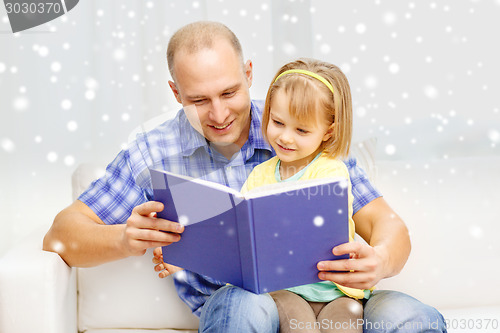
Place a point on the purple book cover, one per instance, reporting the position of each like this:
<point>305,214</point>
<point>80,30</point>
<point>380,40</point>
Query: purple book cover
<point>260,243</point>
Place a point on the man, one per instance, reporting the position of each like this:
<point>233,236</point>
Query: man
<point>217,137</point>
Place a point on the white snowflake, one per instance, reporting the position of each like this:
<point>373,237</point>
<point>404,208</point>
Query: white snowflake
<point>431,92</point>
<point>360,28</point>
<point>184,219</point>
<point>494,136</point>
<point>476,231</point>
<point>318,221</point>
<point>371,82</point>
<point>289,49</point>
<point>72,126</point>
<point>389,18</point>
<point>393,68</point>
<point>8,145</point>
<point>361,111</point>
<point>325,48</point>
<point>390,149</point>
<point>119,54</point>
<point>20,103</point>
<point>66,104</point>
<point>90,95</point>
<point>52,157</point>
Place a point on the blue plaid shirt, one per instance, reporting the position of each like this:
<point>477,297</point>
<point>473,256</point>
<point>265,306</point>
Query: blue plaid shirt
<point>177,147</point>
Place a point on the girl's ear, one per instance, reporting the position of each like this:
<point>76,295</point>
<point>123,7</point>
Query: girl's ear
<point>329,132</point>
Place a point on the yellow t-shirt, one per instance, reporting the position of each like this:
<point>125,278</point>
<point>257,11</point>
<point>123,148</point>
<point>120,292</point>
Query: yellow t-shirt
<point>321,167</point>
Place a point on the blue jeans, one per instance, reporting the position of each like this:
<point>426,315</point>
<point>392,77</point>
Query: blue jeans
<point>392,311</point>
<point>232,309</point>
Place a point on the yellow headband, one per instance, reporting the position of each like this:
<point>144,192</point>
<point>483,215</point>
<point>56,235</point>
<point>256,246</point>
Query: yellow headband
<point>312,74</point>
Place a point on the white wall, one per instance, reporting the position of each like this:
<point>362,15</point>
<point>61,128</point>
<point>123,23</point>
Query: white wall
<point>424,77</point>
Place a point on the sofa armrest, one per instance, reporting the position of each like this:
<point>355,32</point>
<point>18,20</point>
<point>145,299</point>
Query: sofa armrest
<point>37,290</point>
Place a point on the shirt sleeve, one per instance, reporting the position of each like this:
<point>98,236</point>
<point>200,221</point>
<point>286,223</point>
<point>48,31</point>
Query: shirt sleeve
<point>362,190</point>
<point>113,196</point>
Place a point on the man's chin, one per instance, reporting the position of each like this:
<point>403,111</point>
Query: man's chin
<point>221,143</point>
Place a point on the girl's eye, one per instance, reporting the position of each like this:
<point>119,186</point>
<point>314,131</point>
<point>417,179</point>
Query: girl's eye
<point>278,123</point>
<point>302,131</point>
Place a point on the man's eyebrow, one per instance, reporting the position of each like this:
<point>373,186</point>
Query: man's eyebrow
<point>233,87</point>
<point>195,97</point>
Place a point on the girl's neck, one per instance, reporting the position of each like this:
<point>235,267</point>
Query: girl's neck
<point>289,169</point>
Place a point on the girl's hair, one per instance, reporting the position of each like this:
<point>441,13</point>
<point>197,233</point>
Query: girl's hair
<point>311,100</point>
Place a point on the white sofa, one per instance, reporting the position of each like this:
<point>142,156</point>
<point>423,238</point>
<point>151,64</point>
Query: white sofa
<point>451,207</point>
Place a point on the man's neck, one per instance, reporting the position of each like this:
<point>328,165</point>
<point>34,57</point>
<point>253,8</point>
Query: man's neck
<point>226,150</point>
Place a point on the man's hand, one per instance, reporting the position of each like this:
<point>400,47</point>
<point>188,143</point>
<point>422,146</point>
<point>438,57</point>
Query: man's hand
<point>363,270</point>
<point>162,267</point>
<point>144,230</point>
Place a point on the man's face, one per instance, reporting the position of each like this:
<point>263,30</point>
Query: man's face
<point>214,91</point>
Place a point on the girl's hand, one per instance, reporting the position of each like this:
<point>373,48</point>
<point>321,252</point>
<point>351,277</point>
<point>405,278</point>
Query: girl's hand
<point>162,267</point>
<point>363,270</point>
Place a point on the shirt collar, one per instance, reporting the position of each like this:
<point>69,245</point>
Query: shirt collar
<point>255,136</point>
<point>191,140</point>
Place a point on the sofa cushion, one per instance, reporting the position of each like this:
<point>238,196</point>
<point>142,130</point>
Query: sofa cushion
<point>452,210</point>
<point>128,293</point>
<point>139,331</point>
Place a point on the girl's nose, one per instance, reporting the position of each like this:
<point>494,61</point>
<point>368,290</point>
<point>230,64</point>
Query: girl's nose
<point>286,137</point>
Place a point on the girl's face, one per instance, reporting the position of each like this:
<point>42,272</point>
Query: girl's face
<point>296,143</point>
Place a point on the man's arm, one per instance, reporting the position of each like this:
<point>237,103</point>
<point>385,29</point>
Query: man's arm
<point>383,229</point>
<point>82,239</point>
<point>385,256</point>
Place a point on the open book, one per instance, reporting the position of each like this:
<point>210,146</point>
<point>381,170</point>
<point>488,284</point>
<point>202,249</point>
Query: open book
<point>268,239</point>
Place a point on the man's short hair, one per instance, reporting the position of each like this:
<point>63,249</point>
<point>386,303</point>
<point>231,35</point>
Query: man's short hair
<point>197,36</point>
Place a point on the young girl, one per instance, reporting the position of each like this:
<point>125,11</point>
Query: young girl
<point>307,119</point>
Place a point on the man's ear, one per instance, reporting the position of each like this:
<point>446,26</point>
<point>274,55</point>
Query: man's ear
<point>175,91</point>
<point>329,132</point>
<point>249,72</point>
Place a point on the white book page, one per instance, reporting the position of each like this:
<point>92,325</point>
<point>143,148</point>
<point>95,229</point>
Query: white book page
<point>207,183</point>
<point>282,187</point>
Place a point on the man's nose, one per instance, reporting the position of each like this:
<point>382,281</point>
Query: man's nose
<point>218,113</point>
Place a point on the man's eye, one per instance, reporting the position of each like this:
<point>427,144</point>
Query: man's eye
<point>229,94</point>
<point>198,101</point>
